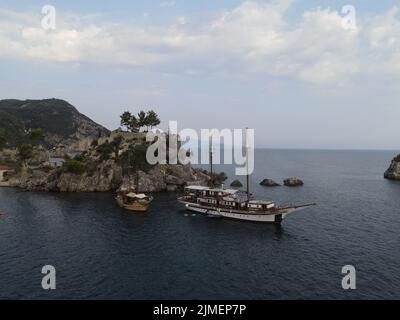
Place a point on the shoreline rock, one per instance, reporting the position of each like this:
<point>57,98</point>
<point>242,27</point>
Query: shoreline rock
<point>108,176</point>
<point>393,172</point>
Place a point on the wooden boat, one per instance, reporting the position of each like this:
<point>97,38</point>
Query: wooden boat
<point>137,202</point>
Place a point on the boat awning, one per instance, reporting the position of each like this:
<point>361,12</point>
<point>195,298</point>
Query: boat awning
<point>136,196</point>
<point>197,188</point>
<point>141,196</point>
<point>131,195</point>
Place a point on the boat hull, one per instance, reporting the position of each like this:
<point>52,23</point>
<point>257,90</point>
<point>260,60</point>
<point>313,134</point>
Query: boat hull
<point>135,207</point>
<point>275,218</point>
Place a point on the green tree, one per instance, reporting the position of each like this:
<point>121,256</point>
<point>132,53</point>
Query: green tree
<point>104,151</point>
<point>25,152</point>
<point>129,121</point>
<point>74,166</point>
<point>116,146</point>
<point>81,156</point>
<point>36,136</point>
<point>142,119</point>
<point>152,119</point>
<point>126,119</point>
<point>135,158</point>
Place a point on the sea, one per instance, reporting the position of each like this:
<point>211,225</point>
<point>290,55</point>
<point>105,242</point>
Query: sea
<point>100,251</point>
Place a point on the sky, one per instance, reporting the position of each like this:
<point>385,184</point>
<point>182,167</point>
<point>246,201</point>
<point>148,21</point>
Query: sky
<point>303,74</point>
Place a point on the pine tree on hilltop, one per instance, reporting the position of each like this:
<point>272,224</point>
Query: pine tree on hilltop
<point>152,119</point>
<point>130,122</point>
<point>143,119</point>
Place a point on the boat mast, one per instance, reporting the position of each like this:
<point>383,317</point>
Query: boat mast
<point>211,160</point>
<point>247,168</point>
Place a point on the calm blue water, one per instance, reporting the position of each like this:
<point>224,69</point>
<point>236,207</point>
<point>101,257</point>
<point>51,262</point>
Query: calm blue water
<point>102,251</point>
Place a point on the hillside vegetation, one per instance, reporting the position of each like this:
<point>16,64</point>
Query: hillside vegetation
<point>60,121</point>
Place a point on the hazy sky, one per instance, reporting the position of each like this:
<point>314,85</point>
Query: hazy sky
<point>288,69</point>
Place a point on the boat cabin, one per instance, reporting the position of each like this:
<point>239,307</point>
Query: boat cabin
<point>133,197</point>
<point>225,198</point>
<point>208,192</point>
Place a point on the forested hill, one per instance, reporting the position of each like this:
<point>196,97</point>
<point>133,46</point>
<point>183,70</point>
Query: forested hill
<point>60,121</point>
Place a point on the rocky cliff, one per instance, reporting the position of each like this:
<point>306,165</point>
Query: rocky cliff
<point>393,172</point>
<point>108,177</point>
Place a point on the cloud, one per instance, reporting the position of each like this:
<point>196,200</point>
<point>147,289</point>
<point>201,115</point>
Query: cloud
<point>252,39</point>
<point>167,4</point>
<point>384,42</point>
<point>181,20</point>
<point>152,92</point>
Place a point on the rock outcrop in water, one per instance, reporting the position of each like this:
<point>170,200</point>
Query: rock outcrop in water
<point>269,183</point>
<point>236,184</point>
<point>293,182</point>
<point>393,172</point>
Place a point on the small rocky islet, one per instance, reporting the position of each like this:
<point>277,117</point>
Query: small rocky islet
<point>289,182</point>
<point>393,172</point>
<point>269,183</point>
<point>293,182</point>
<point>236,184</point>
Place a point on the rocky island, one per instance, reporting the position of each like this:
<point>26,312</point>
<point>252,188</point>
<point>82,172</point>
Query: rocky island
<point>393,172</point>
<point>47,145</point>
<point>236,184</point>
<point>269,183</point>
<point>293,182</point>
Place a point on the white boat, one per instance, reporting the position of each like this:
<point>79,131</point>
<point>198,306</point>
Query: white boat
<point>233,204</point>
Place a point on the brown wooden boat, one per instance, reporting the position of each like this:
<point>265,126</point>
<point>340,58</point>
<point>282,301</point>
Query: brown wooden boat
<point>136,202</point>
